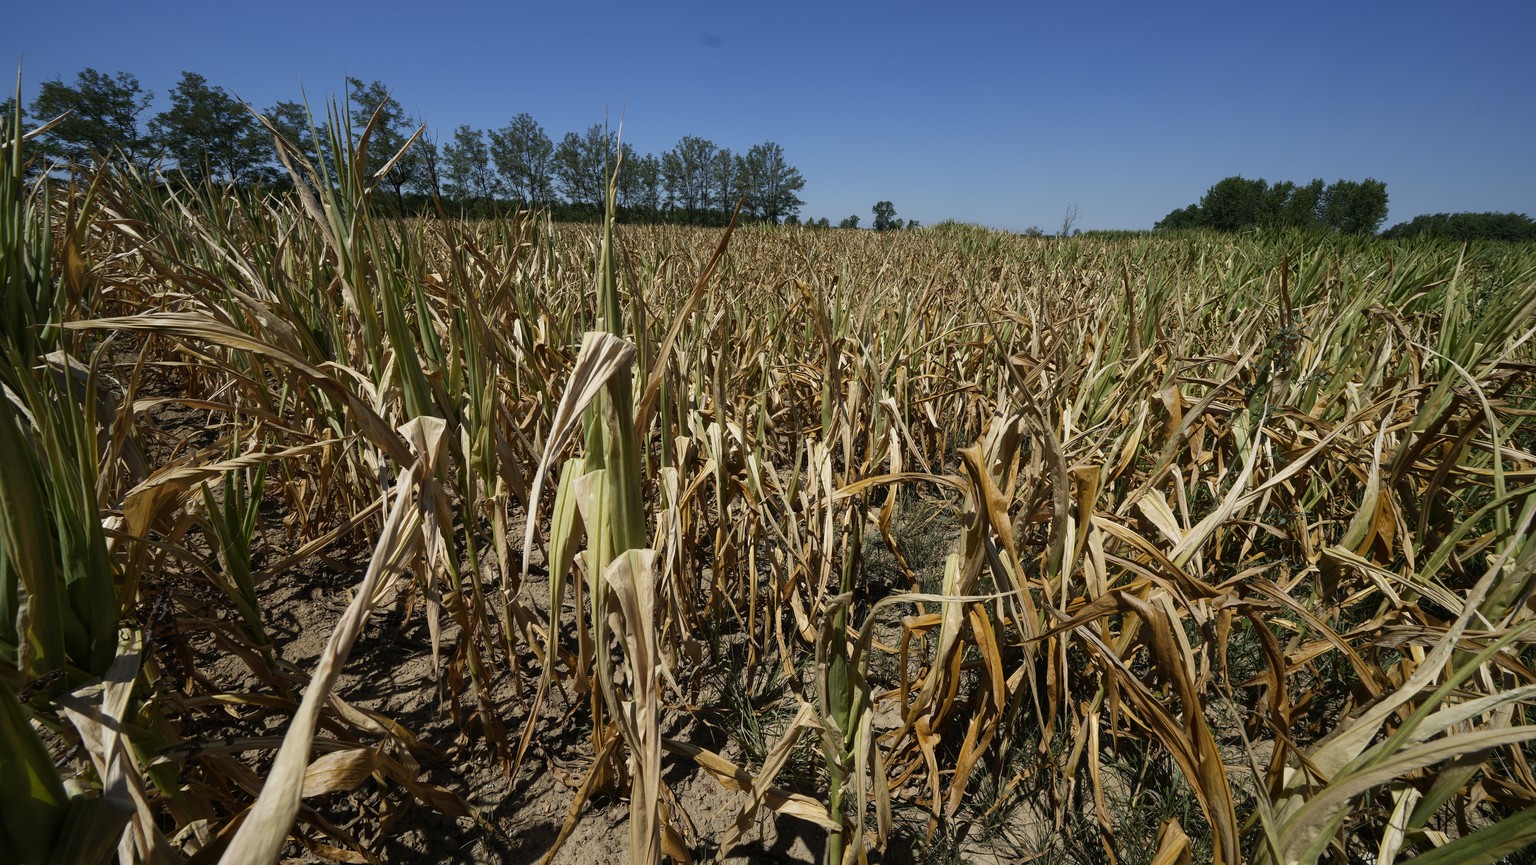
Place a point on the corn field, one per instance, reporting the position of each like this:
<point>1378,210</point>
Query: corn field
<point>938,545</point>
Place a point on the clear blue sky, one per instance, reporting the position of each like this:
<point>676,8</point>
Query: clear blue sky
<point>1003,114</point>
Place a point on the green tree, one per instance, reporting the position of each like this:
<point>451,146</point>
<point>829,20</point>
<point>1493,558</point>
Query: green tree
<point>1467,226</point>
<point>1186,217</point>
<point>581,165</point>
<point>427,169</point>
<point>1351,207</point>
<point>293,122</point>
<point>1272,202</point>
<point>630,187</point>
<point>885,216</point>
<point>728,181</point>
<point>849,222</point>
<point>103,116</point>
<point>390,134</point>
<point>771,183</point>
<point>1234,203</point>
<point>1300,208</point>
<point>467,167</point>
<point>524,157</point>
<point>687,172</point>
<point>210,134</point>
<point>648,185</point>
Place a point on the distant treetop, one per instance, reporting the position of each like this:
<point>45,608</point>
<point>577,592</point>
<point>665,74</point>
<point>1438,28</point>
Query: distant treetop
<point>208,134</point>
<point>1236,203</point>
<point>1467,226</point>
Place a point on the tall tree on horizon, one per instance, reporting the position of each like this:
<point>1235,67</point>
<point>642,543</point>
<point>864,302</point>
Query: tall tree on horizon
<point>648,185</point>
<point>467,166</point>
<point>393,129</point>
<point>1236,203</point>
<point>293,122</point>
<point>1354,207</point>
<point>728,181</point>
<point>582,163</point>
<point>524,157</point>
<point>1299,209</point>
<point>210,134</point>
<point>686,172</point>
<point>771,183</point>
<point>630,165</point>
<point>103,116</point>
<point>426,174</point>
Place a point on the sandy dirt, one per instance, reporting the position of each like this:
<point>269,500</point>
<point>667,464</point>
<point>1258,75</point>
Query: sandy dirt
<point>391,672</point>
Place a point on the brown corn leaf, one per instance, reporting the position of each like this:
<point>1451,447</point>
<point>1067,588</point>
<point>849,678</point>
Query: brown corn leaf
<point>602,355</point>
<point>98,712</point>
<point>733,777</point>
<point>1303,837</point>
<point>1173,846</point>
<point>187,325</point>
<point>146,501</point>
<point>260,838</point>
<point>339,771</point>
<point>760,787</point>
<point>632,578</point>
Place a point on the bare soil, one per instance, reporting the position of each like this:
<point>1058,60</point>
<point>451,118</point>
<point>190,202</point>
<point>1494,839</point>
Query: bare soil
<point>391,671</point>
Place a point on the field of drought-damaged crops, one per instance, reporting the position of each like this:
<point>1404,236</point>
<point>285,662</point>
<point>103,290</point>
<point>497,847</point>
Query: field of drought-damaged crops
<point>335,535</point>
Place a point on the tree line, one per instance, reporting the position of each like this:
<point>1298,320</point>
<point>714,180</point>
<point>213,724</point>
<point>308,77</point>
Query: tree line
<point>1467,226</point>
<point>885,219</point>
<point>1236,203</point>
<point>207,134</point>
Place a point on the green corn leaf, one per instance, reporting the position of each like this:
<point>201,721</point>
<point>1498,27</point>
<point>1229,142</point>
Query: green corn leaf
<point>33,804</point>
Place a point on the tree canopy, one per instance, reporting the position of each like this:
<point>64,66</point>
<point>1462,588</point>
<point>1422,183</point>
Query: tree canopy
<point>771,183</point>
<point>687,171</point>
<point>1237,203</point>
<point>581,165</point>
<point>646,180</point>
<point>390,132</point>
<point>1354,208</point>
<point>103,116</point>
<point>467,166</point>
<point>1467,226</point>
<point>524,157</point>
<point>294,123</point>
<point>210,134</point>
